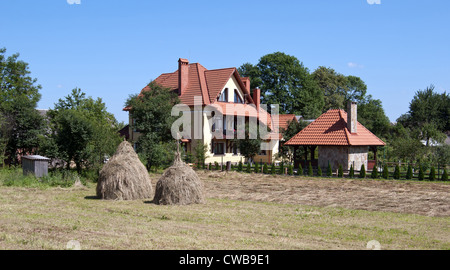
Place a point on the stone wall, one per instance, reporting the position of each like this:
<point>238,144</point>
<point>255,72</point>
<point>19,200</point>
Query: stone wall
<point>335,155</point>
<point>357,156</point>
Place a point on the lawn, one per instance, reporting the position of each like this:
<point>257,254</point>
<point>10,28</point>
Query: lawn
<point>242,211</point>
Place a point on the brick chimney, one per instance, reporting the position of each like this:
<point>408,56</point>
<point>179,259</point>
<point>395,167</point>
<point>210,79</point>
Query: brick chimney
<point>257,97</point>
<point>352,116</point>
<point>183,75</point>
<point>246,82</point>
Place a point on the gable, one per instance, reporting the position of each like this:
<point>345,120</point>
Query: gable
<point>231,86</point>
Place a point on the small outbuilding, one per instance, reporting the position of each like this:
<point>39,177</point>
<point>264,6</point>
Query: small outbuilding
<point>35,164</point>
<point>340,139</point>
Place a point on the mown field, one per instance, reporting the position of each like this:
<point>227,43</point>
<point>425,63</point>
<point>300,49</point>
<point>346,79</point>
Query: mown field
<point>242,211</point>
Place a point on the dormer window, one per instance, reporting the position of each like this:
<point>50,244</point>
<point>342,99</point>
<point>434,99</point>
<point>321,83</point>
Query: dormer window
<point>237,97</point>
<point>224,96</point>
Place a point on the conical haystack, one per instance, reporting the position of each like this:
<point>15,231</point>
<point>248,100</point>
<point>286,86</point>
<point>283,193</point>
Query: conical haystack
<point>124,177</point>
<point>179,185</point>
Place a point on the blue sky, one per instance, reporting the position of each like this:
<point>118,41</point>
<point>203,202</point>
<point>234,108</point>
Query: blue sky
<point>111,49</point>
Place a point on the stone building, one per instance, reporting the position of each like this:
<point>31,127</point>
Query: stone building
<point>340,139</point>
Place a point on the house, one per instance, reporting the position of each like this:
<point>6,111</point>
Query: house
<point>340,138</point>
<point>217,99</point>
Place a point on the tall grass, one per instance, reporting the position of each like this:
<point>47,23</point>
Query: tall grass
<point>57,178</point>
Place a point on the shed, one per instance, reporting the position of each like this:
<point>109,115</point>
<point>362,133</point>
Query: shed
<point>35,164</point>
<point>341,140</point>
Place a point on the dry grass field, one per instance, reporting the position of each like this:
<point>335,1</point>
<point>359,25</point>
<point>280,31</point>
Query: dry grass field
<point>242,211</point>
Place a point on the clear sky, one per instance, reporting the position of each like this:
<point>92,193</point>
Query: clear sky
<point>113,48</point>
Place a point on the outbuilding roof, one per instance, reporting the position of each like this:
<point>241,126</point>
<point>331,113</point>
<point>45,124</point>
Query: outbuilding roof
<point>331,129</point>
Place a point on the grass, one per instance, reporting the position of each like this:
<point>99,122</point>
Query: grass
<point>47,218</point>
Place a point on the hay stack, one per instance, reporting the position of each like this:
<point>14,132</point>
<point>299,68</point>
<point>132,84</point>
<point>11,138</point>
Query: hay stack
<point>124,177</point>
<point>179,185</point>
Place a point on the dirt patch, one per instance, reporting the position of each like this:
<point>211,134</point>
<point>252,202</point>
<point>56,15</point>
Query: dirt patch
<point>423,198</point>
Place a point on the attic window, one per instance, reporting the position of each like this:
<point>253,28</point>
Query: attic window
<point>224,96</point>
<point>237,97</point>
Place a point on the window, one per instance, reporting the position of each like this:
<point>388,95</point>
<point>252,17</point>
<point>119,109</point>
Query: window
<point>218,148</point>
<point>224,96</point>
<point>237,97</point>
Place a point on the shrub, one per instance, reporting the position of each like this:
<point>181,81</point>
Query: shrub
<point>351,174</point>
<point>397,172</point>
<point>362,172</point>
<point>421,173</point>
<point>409,173</point>
<point>290,169</point>
<point>329,170</point>
<point>240,166</point>
<point>273,169</point>
<point>374,174</point>
<point>385,171</point>
<point>210,166</point>
<point>432,175</point>
<point>256,167</point>
<point>281,168</point>
<point>265,168</point>
<point>340,171</point>
<point>216,165</point>
<point>319,171</point>
<point>249,167</point>
<point>300,170</point>
<point>444,176</point>
<point>310,170</point>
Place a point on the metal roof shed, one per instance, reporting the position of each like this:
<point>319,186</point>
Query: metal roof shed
<point>36,165</point>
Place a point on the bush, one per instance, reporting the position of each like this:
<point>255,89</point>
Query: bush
<point>409,173</point>
<point>249,168</point>
<point>432,175</point>
<point>300,170</point>
<point>329,170</point>
<point>374,174</point>
<point>444,176</point>
<point>397,172</point>
<point>421,173</point>
<point>310,170</point>
<point>216,166</point>
<point>290,169</point>
<point>256,167</point>
<point>340,171</point>
<point>281,168</point>
<point>362,172</point>
<point>351,174</point>
<point>273,169</point>
<point>385,171</point>
<point>240,166</point>
<point>265,168</point>
<point>319,171</point>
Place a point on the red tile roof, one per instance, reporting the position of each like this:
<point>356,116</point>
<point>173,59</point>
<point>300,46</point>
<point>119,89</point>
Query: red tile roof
<point>331,129</point>
<point>283,122</point>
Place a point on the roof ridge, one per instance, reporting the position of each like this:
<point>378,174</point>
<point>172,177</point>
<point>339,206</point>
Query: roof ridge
<point>346,127</point>
<point>203,85</point>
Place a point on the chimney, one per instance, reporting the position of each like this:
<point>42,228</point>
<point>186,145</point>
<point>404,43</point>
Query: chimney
<point>246,82</point>
<point>352,116</point>
<point>183,75</point>
<point>257,97</point>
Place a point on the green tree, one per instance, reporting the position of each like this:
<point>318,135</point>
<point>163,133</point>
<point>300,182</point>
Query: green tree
<point>372,116</point>
<point>319,171</point>
<point>374,174</point>
<point>248,146</point>
<point>351,174</point>
<point>409,173</point>
<point>257,167</point>
<point>385,171</point>
<point>421,173</point>
<point>265,168</point>
<point>290,170</point>
<point>240,166</point>
<point>200,154</point>
<point>397,172</point>
<point>151,111</point>
<point>444,176</point>
<point>249,167</point>
<point>333,86</point>
<point>362,172</point>
<point>310,170</point>
<point>281,168</point>
<point>216,165</point>
<point>432,175</point>
<point>273,169</point>
<point>300,170</point>
<point>82,130</point>
<point>285,81</point>
<point>340,171</point>
<point>329,170</point>
<point>19,94</point>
